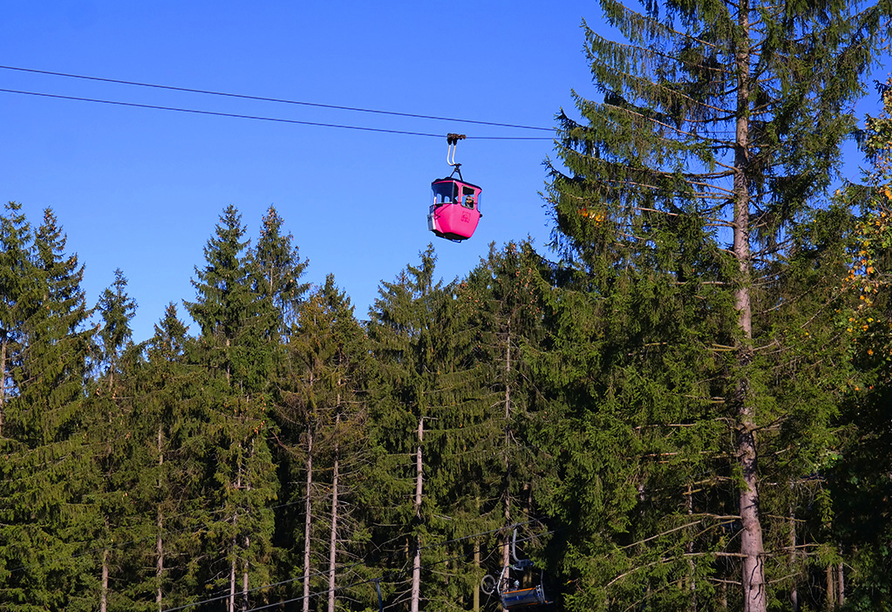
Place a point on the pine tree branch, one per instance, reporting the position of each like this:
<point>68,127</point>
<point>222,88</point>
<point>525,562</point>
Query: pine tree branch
<point>659,535</point>
<point>636,20</point>
<point>645,85</point>
<point>736,583</point>
<point>651,52</point>
<point>654,121</point>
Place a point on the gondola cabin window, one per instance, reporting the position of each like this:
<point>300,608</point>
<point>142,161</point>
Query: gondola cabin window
<point>444,192</point>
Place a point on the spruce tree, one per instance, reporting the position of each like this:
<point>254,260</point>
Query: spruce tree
<point>403,336</point>
<point>46,519</point>
<point>720,123</point>
<point>106,422</point>
<point>234,348</point>
<point>501,466</point>
<point>423,399</point>
<point>117,309</point>
<point>322,423</point>
<point>166,471</point>
<point>234,321</point>
<point>277,270</point>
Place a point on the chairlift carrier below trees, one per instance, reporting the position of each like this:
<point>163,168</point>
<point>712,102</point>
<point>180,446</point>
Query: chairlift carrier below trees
<point>511,595</point>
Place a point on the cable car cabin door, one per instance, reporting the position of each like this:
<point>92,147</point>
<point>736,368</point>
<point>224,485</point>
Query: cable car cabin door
<point>455,210</point>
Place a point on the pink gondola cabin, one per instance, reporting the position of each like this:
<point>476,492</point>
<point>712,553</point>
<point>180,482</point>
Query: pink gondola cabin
<point>455,210</point>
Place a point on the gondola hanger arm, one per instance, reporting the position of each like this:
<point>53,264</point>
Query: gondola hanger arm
<point>452,141</point>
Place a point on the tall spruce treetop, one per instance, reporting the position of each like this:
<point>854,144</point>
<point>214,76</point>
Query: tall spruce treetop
<point>277,269</point>
<point>712,106</point>
<point>54,364</point>
<point>720,122</point>
<point>45,522</point>
<point>15,276</point>
<point>222,281</point>
<point>235,322</point>
<point>117,309</point>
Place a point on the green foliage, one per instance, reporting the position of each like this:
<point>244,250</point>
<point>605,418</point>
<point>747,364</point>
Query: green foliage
<point>236,322</point>
<point>46,517</point>
<point>697,361</point>
<point>235,350</point>
<point>432,402</point>
<point>276,270</point>
<point>499,305</point>
<point>322,420</point>
<point>116,309</point>
<point>860,482</point>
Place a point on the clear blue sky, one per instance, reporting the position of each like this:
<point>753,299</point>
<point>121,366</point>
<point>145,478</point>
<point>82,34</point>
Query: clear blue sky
<point>141,189</point>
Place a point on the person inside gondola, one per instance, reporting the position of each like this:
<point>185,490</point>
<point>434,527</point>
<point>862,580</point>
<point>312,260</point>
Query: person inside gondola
<point>468,197</point>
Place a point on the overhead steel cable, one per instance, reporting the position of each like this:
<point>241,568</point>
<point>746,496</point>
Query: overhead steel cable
<point>277,100</point>
<point>213,113</point>
<point>256,117</point>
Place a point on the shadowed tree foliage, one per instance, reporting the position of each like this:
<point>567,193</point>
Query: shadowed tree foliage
<point>860,484</point>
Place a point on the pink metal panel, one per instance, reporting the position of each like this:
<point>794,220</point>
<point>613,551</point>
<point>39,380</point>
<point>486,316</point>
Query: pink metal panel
<point>454,221</point>
<point>454,213</point>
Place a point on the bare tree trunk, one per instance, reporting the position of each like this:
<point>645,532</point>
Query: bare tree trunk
<point>477,567</point>
<point>416,561</point>
<point>159,542</point>
<point>333,539</point>
<point>753,574</point>
<point>794,590</point>
<point>234,566</point>
<point>245,581</point>
<point>2,382</point>
<point>689,548</point>
<point>159,563</point>
<point>308,521</point>
<point>245,577</point>
<point>506,547</point>
<point>103,601</point>
<point>829,589</point>
<point>231,602</point>
<point>841,584</point>
<point>834,587</point>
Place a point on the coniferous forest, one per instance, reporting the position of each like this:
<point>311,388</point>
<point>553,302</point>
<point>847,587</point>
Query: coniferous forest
<point>686,405</point>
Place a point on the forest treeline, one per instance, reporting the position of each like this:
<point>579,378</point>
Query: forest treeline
<point>686,407</point>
